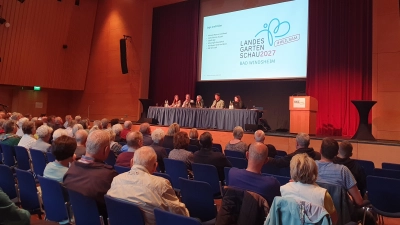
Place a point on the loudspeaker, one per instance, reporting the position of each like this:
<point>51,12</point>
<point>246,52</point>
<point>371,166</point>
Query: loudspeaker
<point>251,127</point>
<point>124,63</point>
<point>148,120</point>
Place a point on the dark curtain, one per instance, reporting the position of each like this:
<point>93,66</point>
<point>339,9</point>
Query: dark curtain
<point>339,62</point>
<point>174,51</point>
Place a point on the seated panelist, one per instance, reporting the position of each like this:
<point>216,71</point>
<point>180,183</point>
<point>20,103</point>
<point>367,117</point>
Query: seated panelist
<point>199,102</point>
<point>218,102</point>
<point>237,103</point>
<point>187,102</point>
<point>176,102</point>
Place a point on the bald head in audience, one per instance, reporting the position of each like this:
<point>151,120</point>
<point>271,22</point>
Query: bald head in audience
<point>259,136</point>
<point>146,157</point>
<point>128,124</point>
<point>81,137</point>
<point>134,140</point>
<point>98,145</point>
<point>145,128</point>
<point>257,156</point>
<point>104,123</point>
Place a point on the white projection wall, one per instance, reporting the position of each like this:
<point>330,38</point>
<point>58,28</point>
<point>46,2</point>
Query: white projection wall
<point>268,42</point>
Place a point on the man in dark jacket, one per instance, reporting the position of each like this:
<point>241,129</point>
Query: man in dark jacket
<point>302,143</point>
<point>343,158</point>
<point>207,156</point>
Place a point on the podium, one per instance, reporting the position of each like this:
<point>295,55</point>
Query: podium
<point>303,114</point>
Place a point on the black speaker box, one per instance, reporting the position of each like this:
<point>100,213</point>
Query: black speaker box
<point>124,63</point>
<point>148,120</point>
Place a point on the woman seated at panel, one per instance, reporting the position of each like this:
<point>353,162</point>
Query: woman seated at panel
<point>237,103</point>
<point>176,102</point>
<point>180,152</point>
<point>236,144</point>
<point>304,173</point>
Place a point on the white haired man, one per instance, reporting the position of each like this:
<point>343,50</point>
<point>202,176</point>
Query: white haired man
<point>104,123</point>
<point>89,175</point>
<point>58,133</point>
<point>150,192</point>
<point>302,143</point>
<point>117,128</point>
<point>158,137</point>
<point>80,137</point>
<point>146,131</point>
<point>126,130</point>
<point>134,140</point>
<point>21,121</point>
<point>44,134</point>
<point>259,136</point>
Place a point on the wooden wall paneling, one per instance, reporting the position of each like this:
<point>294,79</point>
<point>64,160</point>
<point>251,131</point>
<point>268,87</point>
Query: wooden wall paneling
<point>31,49</point>
<point>28,101</point>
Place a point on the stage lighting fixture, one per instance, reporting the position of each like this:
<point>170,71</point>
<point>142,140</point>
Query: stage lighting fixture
<point>22,1</point>
<point>2,20</point>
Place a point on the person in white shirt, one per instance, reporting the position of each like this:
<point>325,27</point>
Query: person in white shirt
<point>304,173</point>
<point>21,121</point>
<point>44,134</point>
<point>27,139</point>
<point>145,190</point>
<point>58,133</point>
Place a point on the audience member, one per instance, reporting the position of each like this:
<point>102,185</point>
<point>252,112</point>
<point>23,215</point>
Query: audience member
<point>114,146</point>
<point>42,143</point>
<point>144,190</point>
<point>3,115</point>
<point>10,138</point>
<point>340,175</point>
<point>259,136</point>
<point>304,173</point>
<point>16,116</point>
<point>104,123</point>
<point>343,158</point>
<point>236,144</point>
<point>58,133</point>
<point>206,155</point>
<point>78,119</point>
<point>146,131</point>
<point>21,121</point>
<point>68,118</point>
<point>27,139</point>
<point>95,127</point>
<point>85,124</point>
<point>302,143</point>
<point>194,137</point>
<point>169,137</point>
<point>2,132</point>
<point>10,214</point>
<point>58,123</point>
<point>89,175</point>
<point>251,179</point>
<point>98,124</point>
<point>134,140</point>
<point>80,137</point>
<point>180,152</point>
<point>68,129</point>
<point>158,137</point>
<point>114,121</point>
<point>75,128</point>
<point>117,128</point>
<point>126,130</point>
<point>63,149</point>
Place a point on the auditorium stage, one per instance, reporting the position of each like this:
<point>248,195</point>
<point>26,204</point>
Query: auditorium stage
<point>376,151</point>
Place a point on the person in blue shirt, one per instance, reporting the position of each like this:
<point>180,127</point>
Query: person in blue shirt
<point>251,179</point>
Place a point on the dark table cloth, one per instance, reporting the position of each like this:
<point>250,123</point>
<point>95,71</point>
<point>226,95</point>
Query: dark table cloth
<point>222,119</point>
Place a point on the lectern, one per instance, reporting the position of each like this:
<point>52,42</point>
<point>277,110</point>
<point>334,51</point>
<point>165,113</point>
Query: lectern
<point>303,114</point>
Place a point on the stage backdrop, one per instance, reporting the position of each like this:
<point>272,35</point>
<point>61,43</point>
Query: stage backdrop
<point>173,66</point>
<point>339,61</point>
